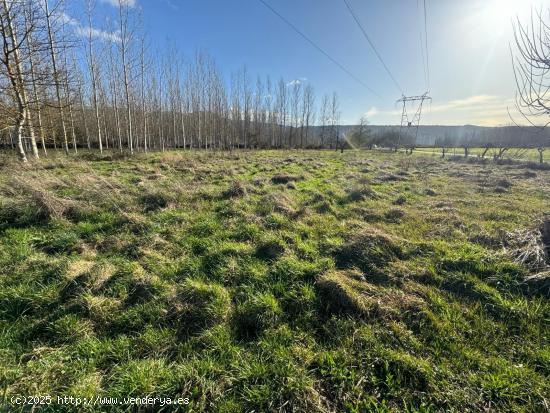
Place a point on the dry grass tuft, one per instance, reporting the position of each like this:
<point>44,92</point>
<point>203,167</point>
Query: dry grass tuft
<point>530,247</point>
<point>361,193</point>
<point>237,189</point>
<point>394,214</point>
<point>281,203</point>
<point>347,292</point>
<point>50,205</point>
<point>78,267</point>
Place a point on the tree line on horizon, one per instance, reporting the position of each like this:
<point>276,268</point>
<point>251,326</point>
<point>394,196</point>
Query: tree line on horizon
<point>68,86</point>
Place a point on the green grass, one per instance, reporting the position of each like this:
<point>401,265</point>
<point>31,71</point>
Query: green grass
<point>528,154</point>
<point>272,281</point>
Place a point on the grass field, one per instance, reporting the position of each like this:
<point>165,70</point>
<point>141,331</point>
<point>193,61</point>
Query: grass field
<point>528,155</point>
<point>275,281</point>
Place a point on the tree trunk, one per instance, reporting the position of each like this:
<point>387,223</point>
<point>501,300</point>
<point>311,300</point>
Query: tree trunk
<point>56,79</point>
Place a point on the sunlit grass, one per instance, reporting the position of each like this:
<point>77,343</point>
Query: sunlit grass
<point>273,281</point>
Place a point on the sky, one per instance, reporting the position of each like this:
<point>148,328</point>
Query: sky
<point>471,79</point>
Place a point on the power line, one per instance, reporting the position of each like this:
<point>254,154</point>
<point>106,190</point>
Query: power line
<point>350,9</point>
<point>426,44</point>
<point>342,67</point>
<point>421,37</point>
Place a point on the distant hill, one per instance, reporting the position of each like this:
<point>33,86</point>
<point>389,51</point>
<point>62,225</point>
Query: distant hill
<point>429,135</point>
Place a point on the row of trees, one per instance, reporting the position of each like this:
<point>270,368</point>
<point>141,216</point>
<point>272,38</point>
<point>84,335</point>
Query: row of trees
<point>68,85</point>
<point>497,143</point>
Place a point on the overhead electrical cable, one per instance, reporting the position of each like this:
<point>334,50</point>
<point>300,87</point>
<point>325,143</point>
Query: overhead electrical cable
<point>304,36</point>
<point>388,71</point>
<point>421,37</point>
<point>426,44</point>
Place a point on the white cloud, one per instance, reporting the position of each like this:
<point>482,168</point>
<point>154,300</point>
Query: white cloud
<point>85,31</point>
<point>483,102</point>
<point>115,3</point>
<point>298,81</point>
<point>489,110</point>
<point>372,112</point>
<point>172,5</point>
<point>65,18</point>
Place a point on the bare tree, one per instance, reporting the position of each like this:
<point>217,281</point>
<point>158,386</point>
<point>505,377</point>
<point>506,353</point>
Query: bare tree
<point>93,68</point>
<point>324,118</point>
<point>126,38</point>
<point>34,80</point>
<point>308,115</point>
<point>531,68</point>
<point>335,120</point>
<point>18,20</point>
<point>56,77</point>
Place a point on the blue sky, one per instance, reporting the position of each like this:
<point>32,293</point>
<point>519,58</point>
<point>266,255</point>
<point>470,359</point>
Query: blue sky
<point>471,77</point>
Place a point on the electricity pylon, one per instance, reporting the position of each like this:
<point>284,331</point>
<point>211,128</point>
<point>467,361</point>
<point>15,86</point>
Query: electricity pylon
<point>411,126</point>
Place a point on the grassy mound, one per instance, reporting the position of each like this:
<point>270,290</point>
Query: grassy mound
<point>369,250</point>
<point>199,305</point>
<point>256,314</point>
<point>348,292</point>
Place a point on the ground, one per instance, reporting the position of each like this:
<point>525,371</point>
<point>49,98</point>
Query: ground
<point>275,281</point>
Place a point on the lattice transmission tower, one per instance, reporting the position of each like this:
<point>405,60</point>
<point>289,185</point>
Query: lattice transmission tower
<point>409,126</point>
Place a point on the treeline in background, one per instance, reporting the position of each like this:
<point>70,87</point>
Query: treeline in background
<point>67,85</point>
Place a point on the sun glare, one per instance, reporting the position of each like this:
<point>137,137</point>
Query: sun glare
<point>498,14</point>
